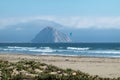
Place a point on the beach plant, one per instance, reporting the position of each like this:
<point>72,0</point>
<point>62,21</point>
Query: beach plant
<point>46,76</point>
<point>6,74</point>
<point>17,77</point>
<point>42,64</point>
<point>26,70</point>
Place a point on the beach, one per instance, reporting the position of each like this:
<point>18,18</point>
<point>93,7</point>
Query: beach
<point>104,67</point>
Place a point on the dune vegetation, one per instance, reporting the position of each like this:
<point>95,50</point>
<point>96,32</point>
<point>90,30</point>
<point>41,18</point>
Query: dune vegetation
<point>31,70</point>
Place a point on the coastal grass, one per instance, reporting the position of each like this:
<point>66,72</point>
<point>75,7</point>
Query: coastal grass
<point>31,70</point>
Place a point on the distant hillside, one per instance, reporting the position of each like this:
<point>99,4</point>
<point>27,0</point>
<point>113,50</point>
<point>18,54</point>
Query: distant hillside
<point>50,35</point>
<point>25,31</point>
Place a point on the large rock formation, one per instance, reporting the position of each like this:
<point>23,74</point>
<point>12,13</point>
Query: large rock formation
<point>51,35</point>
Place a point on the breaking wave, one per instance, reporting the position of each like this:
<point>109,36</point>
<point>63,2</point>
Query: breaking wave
<point>42,49</point>
<point>77,48</point>
<point>64,50</point>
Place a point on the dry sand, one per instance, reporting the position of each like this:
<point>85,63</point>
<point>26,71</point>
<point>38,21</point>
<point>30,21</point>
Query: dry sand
<point>104,67</point>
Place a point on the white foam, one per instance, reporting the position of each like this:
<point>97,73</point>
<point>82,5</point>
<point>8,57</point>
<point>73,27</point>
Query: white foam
<point>72,51</point>
<point>15,47</point>
<point>57,54</point>
<point>47,49</point>
<point>107,52</point>
<point>77,48</point>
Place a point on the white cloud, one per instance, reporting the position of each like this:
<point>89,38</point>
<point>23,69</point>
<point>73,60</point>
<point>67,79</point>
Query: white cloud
<point>91,22</point>
<point>72,21</point>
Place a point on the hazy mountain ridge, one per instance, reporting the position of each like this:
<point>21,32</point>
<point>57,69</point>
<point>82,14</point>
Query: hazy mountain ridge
<point>51,35</point>
<point>25,32</point>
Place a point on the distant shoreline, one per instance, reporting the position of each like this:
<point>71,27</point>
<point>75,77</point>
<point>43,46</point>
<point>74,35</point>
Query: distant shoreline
<point>104,67</point>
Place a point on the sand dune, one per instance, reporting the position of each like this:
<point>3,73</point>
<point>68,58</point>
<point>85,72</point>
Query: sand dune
<point>104,67</point>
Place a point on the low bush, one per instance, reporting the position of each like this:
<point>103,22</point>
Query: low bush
<point>25,70</point>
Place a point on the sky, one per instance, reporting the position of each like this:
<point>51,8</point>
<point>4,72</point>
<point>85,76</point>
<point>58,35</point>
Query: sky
<point>23,8</point>
<point>78,14</point>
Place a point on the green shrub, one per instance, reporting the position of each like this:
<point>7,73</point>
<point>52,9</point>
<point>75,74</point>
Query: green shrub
<point>29,67</point>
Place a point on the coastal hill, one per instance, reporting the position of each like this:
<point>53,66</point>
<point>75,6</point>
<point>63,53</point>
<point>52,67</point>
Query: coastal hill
<point>24,32</point>
<point>51,35</point>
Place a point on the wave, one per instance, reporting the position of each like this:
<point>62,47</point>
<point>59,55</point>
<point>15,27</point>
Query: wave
<point>42,50</point>
<point>59,50</point>
<point>65,51</point>
<point>57,54</point>
<point>77,48</point>
<point>22,48</point>
<point>106,52</point>
<point>28,49</point>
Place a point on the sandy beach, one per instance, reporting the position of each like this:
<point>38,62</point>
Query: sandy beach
<point>104,67</point>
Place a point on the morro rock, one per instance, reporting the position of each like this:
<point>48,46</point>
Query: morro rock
<point>51,35</point>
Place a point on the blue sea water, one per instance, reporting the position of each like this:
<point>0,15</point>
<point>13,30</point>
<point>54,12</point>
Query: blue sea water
<point>64,49</point>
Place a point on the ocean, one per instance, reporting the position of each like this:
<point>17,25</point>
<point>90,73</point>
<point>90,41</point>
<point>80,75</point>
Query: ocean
<point>63,49</point>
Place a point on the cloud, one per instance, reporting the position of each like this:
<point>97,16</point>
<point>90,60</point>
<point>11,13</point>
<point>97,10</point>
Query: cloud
<point>77,22</point>
<point>91,22</point>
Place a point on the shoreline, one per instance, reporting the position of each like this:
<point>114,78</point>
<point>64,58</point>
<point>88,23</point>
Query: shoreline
<point>60,55</point>
<point>102,66</point>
